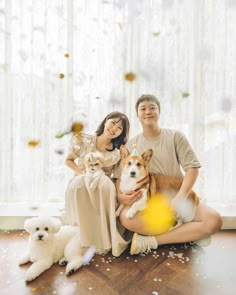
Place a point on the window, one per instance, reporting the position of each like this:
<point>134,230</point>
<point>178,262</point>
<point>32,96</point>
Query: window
<point>64,61</point>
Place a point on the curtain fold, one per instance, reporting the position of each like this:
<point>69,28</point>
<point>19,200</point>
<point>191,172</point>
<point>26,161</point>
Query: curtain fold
<point>63,61</point>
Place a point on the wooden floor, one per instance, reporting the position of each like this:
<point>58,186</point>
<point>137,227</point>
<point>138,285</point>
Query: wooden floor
<point>170,270</point>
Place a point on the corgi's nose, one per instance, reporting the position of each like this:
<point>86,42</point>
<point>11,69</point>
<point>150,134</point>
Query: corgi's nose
<point>132,173</point>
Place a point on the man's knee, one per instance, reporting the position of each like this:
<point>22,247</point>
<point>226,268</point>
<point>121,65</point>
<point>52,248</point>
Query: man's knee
<point>132,224</point>
<point>213,224</point>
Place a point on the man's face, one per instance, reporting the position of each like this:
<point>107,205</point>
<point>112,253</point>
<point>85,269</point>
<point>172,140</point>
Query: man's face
<point>148,113</point>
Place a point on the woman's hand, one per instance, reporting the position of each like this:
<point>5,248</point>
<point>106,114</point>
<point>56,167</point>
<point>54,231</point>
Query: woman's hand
<point>128,198</point>
<point>70,162</point>
<point>79,172</point>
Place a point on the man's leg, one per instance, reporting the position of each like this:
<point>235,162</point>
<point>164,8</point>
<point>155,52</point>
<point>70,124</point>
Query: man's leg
<point>206,222</point>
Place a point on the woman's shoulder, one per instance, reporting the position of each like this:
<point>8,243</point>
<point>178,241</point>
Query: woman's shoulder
<point>84,138</point>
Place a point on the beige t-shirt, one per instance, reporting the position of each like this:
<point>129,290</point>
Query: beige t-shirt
<point>83,143</point>
<point>172,153</point>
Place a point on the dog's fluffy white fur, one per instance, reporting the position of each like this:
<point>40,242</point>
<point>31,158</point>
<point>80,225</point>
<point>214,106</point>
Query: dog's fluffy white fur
<point>49,243</point>
<point>93,166</point>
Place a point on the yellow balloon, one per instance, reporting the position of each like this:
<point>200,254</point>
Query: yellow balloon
<point>158,217</point>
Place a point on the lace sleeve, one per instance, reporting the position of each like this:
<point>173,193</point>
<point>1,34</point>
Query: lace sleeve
<point>112,158</point>
<point>80,142</point>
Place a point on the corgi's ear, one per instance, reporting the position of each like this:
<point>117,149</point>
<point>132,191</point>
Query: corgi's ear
<point>147,156</point>
<point>124,152</point>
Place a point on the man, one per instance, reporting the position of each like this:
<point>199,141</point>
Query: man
<point>172,154</point>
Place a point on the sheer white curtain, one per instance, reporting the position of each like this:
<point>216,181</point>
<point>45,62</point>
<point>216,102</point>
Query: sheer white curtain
<point>65,60</point>
<point>60,62</point>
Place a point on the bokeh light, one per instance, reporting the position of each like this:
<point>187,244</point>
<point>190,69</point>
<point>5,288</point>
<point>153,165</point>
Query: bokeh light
<point>158,217</point>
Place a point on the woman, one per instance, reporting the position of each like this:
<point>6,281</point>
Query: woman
<point>94,211</point>
<point>172,154</point>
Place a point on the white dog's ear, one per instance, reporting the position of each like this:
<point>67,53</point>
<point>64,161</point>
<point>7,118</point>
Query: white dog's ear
<point>28,225</point>
<point>86,158</point>
<point>56,225</point>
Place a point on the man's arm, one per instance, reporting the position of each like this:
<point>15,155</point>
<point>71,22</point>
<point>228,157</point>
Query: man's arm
<point>188,182</point>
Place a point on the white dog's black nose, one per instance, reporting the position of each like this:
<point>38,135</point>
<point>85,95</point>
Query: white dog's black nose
<point>40,237</point>
<point>132,173</point>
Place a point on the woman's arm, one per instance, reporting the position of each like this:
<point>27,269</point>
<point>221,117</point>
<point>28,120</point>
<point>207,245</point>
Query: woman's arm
<point>70,162</point>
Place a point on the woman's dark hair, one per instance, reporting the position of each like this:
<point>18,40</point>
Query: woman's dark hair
<point>147,97</point>
<point>123,137</point>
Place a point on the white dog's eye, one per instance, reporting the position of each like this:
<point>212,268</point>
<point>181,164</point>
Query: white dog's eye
<point>46,228</point>
<point>37,228</point>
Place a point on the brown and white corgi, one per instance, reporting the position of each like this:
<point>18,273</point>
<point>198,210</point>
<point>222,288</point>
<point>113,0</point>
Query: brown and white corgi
<point>135,176</point>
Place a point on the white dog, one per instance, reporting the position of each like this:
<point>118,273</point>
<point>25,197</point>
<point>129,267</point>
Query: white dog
<point>48,244</point>
<point>93,166</point>
<point>75,256</point>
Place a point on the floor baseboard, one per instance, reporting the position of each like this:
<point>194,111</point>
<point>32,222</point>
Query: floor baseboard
<point>12,216</point>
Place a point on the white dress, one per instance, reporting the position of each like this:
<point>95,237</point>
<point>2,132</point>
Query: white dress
<point>94,211</point>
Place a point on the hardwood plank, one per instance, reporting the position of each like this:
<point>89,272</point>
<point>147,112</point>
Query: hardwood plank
<point>170,270</point>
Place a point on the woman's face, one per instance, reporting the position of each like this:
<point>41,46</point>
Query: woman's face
<point>113,128</point>
<point>148,113</point>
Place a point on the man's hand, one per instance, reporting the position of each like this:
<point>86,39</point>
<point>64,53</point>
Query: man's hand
<point>128,198</point>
